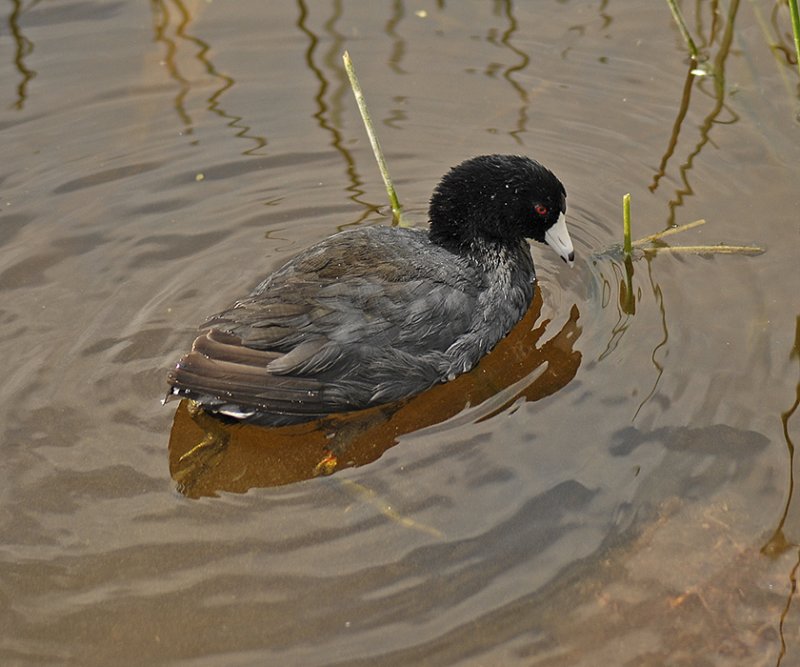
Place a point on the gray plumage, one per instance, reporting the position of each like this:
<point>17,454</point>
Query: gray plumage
<point>376,314</point>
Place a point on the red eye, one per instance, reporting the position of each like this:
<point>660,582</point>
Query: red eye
<point>541,209</point>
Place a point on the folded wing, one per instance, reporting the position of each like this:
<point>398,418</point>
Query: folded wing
<point>353,322</point>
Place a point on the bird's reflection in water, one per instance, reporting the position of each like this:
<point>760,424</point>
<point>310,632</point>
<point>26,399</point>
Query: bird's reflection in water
<point>207,455</point>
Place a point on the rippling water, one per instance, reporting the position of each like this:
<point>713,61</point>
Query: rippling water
<point>612,485</point>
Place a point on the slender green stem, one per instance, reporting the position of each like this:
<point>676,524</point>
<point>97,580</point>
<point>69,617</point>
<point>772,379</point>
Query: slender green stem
<point>676,14</point>
<point>795,29</point>
<point>626,225</point>
<point>373,139</point>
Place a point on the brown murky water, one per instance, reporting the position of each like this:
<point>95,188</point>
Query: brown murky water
<point>612,486</point>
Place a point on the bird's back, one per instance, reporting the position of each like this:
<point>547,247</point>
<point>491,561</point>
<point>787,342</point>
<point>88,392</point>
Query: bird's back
<point>365,317</point>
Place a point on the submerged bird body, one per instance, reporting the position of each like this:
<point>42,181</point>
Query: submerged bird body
<point>376,314</point>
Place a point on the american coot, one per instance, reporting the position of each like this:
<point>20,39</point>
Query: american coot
<point>377,314</point>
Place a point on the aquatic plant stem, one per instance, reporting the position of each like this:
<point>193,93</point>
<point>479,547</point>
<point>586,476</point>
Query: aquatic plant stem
<point>676,14</point>
<point>795,29</point>
<point>626,225</point>
<point>373,138</point>
<point>708,249</point>
<point>667,232</point>
<point>720,248</point>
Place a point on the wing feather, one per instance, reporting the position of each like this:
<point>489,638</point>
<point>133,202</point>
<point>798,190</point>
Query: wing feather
<point>348,324</point>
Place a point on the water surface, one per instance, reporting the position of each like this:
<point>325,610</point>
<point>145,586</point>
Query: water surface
<point>613,485</point>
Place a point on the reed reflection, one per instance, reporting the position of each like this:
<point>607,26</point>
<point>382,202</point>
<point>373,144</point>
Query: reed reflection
<point>524,366</point>
<point>783,41</point>
<point>700,74</point>
<point>623,291</point>
<point>398,43</point>
<point>625,303</point>
<point>624,273</point>
<point>606,17</point>
<point>329,99</point>
<point>779,542</point>
<point>23,47</point>
<point>658,295</point>
<point>505,9</point>
<point>183,53</point>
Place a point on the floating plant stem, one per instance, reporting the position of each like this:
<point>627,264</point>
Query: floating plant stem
<point>373,138</point>
<point>667,232</point>
<point>676,14</point>
<point>795,28</point>
<point>720,249</point>
<point>626,225</point>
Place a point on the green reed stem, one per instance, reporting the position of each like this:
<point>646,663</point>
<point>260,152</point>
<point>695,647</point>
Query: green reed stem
<point>795,28</point>
<point>676,14</point>
<point>626,225</point>
<point>373,138</point>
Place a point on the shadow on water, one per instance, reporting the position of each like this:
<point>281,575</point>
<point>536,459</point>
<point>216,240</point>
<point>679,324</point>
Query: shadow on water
<point>649,535</point>
<point>719,440</point>
<point>523,367</point>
